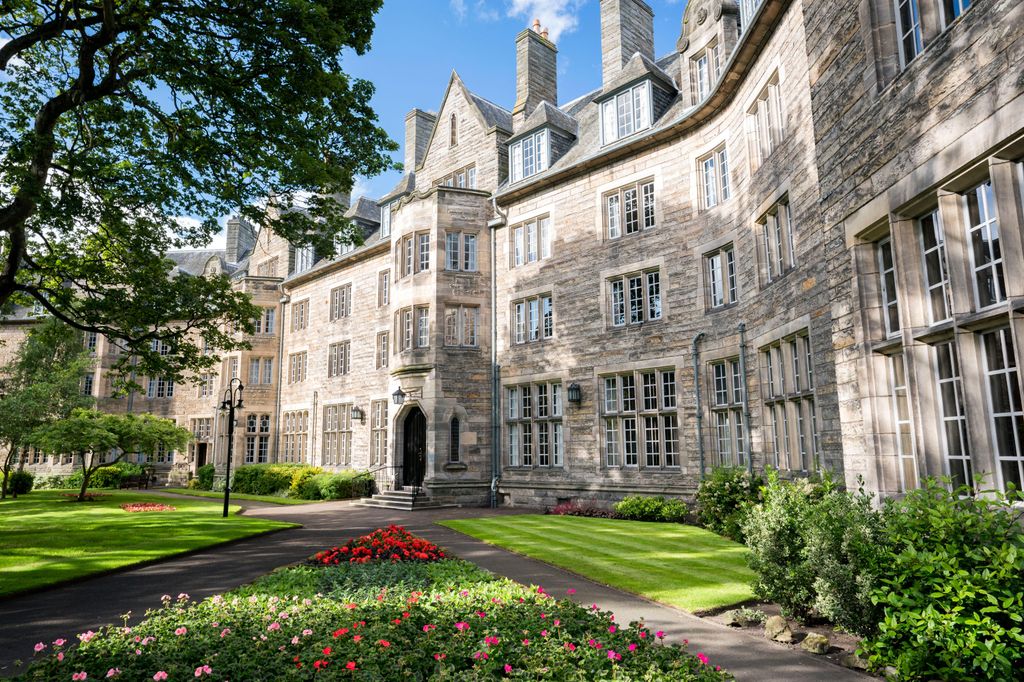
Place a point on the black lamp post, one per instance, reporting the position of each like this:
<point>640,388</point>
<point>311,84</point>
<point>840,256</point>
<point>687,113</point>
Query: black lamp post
<point>229,405</point>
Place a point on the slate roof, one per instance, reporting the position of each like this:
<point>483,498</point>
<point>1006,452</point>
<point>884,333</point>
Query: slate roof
<point>364,209</point>
<point>193,262</point>
<point>404,186</point>
<point>548,114</point>
<point>494,114</point>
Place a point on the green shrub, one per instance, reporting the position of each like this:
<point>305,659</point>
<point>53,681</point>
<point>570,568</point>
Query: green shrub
<point>299,487</point>
<point>113,475</point>
<point>263,479</point>
<point>724,498</point>
<point>309,488</point>
<point>640,508</point>
<point>344,485</point>
<point>20,482</point>
<point>843,536</point>
<point>953,590</point>
<point>204,478</point>
<point>51,482</point>
<point>775,531</point>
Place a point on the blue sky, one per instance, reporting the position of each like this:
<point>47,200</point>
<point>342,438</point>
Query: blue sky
<point>417,43</point>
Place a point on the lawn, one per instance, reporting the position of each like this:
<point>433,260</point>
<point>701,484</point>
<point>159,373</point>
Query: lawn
<point>46,538</point>
<point>273,499</point>
<point>687,567</point>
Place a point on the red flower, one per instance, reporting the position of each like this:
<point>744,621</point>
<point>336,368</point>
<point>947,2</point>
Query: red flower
<point>351,665</point>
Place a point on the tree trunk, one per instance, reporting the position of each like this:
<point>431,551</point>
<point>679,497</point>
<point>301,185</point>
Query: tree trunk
<point>85,478</point>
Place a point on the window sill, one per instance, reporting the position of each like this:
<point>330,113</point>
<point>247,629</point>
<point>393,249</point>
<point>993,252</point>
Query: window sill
<point>721,308</point>
<point>635,325</point>
<point>455,466</point>
<point>994,316</point>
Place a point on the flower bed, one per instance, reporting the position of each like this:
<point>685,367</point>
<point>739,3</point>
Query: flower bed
<point>418,620</point>
<point>147,507</point>
<point>393,543</point>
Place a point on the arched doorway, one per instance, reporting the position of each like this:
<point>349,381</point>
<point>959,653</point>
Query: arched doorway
<point>414,456</point>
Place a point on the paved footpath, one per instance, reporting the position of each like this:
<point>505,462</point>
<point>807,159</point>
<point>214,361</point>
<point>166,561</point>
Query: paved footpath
<point>90,604</point>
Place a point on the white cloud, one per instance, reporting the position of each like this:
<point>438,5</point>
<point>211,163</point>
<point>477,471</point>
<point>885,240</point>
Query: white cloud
<point>15,61</point>
<point>459,7</point>
<point>361,188</point>
<point>558,16</point>
<point>219,240</point>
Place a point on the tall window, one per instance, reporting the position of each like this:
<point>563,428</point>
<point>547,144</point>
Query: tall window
<point>90,341</point>
<point>304,257</point>
<point>531,241</point>
<point>714,177</point>
<point>908,25</point>
<point>1005,401</point>
<point>379,430</point>
<point>640,422</point>
<point>206,385</point>
<point>423,251</point>
<point>267,268</point>
<point>341,302</point>
<point>463,177</point>
<point>635,298</point>
<point>233,367</point>
<point>903,422</point>
<point>534,425</point>
<point>297,367</point>
<point>985,248</point>
<point>765,126</point>
<point>261,371</point>
<point>386,213</point>
<point>265,322</point>
<point>454,441</point>
<point>337,442</point>
<point>300,315</point>
<point>720,267</point>
<point>727,412</point>
<point>936,271</point>
<point>383,288</point>
<point>257,438</point>
<point>413,327</point>
<point>706,69</point>
<point>887,282</point>
<point>339,357</point>
<point>529,155</point>
<point>293,441</point>
<point>453,131</point>
<point>461,326</point>
<point>87,384</point>
<point>779,248</point>
<point>414,254</point>
<point>790,413</point>
<point>627,113</point>
<point>534,319</point>
<point>383,350</point>
<point>460,251</point>
<point>629,209</point>
<point>954,417</point>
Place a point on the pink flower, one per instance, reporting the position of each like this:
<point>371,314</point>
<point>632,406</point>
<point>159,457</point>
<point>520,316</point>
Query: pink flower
<point>60,655</point>
<point>295,639</point>
<point>526,642</point>
<point>632,647</point>
<point>225,632</point>
<point>612,629</point>
<point>274,626</point>
<point>181,631</point>
<point>643,634</point>
<point>614,656</point>
<point>570,591</point>
<point>307,632</point>
<point>204,670</point>
<point>86,636</point>
<point>351,665</point>
<point>557,622</point>
<point>543,633</point>
<point>659,634</point>
<point>490,640</point>
<point>183,596</point>
<point>39,647</point>
<point>428,627</point>
<point>570,646</point>
<point>508,669</point>
<point>478,655</point>
<point>80,676</point>
<point>58,642</point>
<point>702,658</point>
<point>160,675</point>
<point>460,626</point>
<point>283,615</point>
<point>113,672</point>
<point>540,590</point>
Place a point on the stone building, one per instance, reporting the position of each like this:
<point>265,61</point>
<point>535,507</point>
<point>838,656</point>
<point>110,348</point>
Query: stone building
<point>794,240</point>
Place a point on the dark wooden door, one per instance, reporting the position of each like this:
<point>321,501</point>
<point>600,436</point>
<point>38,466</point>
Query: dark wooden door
<point>200,454</point>
<point>414,461</point>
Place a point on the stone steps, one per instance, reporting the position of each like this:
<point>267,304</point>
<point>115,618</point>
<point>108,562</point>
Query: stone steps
<point>402,500</point>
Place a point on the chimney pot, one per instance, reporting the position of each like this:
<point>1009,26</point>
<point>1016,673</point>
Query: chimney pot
<point>544,33</point>
<point>536,25</point>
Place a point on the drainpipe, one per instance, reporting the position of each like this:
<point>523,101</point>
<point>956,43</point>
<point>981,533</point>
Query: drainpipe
<point>284,301</point>
<point>746,400</point>
<point>700,410</point>
<point>495,368</point>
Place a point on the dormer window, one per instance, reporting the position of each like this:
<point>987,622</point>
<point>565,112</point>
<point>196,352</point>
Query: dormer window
<point>303,258</point>
<point>529,155</point>
<point>706,70</point>
<point>627,113</point>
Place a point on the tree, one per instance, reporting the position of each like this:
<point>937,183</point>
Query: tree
<point>42,384</point>
<point>117,117</point>
<point>91,435</point>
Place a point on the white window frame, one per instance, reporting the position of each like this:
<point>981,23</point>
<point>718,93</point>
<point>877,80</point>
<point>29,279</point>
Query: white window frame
<point>627,113</point>
<point>989,224</point>
<point>529,156</point>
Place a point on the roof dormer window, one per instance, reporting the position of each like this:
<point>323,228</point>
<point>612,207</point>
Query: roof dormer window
<point>626,113</point>
<point>529,155</point>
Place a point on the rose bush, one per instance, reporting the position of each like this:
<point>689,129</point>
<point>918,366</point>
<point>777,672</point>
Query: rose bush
<point>393,543</point>
<point>379,620</point>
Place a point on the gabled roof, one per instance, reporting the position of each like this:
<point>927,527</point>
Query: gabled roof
<point>364,209</point>
<point>193,262</point>
<point>639,67</point>
<point>494,115</point>
<point>550,115</point>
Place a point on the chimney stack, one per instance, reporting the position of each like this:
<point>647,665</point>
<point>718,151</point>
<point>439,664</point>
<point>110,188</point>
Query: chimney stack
<point>627,27</point>
<point>418,126</point>
<point>536,73</point>
<point>241,238</point>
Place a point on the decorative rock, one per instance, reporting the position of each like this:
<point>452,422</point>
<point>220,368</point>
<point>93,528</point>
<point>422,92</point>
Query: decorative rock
<point>815,643</point>
<point>853,661</point>
<point>777,629</point>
